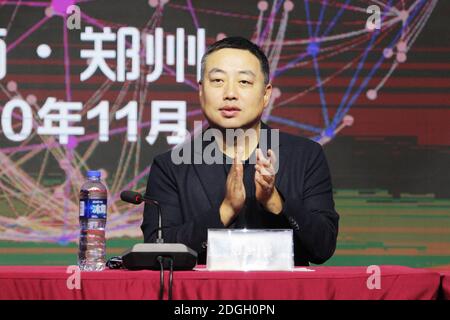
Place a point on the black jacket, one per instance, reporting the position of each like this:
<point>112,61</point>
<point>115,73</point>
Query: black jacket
<point>190,196</point>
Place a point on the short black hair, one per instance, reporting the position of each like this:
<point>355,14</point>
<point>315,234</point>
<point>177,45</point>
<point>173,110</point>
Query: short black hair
<point>243,44</point>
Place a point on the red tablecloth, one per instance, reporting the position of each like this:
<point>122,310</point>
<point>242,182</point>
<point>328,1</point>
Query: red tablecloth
<point>445,282</point>
<point>397,282</point>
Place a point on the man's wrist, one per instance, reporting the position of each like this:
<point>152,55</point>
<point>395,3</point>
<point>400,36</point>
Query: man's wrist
<point>226,212</point>
<point>274,203</point>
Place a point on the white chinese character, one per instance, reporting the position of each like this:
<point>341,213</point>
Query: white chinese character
<point>154,54</point>
<point>175,52</point>
<point>98,54</point>
<point>158,115</point>
<point>200,50</point>
<point>132,53</point>
<point>2,54</point>
<point>63,117</point>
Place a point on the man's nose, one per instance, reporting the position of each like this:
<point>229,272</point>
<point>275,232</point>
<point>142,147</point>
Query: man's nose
<point>230,92</point>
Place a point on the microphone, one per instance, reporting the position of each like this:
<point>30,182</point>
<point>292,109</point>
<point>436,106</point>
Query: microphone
<point>149,255</point>
<point>137,198</point>
<point>131,197</point>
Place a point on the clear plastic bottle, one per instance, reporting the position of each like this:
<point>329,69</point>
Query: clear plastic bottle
<point>93,211</point>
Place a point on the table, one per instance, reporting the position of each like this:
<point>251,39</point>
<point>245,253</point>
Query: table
<point>445,282</point>
<point>51,282</point>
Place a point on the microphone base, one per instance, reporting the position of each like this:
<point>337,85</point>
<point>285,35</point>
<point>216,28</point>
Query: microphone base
<point>145,256</point>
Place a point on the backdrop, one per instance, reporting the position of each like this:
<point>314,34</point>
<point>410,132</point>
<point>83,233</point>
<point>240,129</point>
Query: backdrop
<point>107,85</point>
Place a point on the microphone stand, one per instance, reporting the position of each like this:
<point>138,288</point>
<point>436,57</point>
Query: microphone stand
<point>160,238</point>
<point>157,255</point>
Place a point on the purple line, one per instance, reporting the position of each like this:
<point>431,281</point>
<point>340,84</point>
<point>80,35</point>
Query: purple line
<point>290,65</point>
<point>28,3</point>
<point>132,183</point>
<point>13,16</point>
<point>14,115</point>
<point>322,11</point>
<point>122,216</point>
<point>67,63</point>
<point>270,21</point>
<point>308,20</point>
<point>92,20</point>
<point>26,34</point>
<point>192,11</point>
<point>68,171</point>
<point>186,81</point>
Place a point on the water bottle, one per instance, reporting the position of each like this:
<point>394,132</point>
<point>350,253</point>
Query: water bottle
<point>93,204</point>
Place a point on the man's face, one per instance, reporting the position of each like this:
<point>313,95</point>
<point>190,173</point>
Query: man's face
<point>233,93</point>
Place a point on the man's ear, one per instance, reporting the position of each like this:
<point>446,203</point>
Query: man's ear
<point>267,94</point>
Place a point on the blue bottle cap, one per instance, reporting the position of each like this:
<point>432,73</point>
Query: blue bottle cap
<point>93,173</point>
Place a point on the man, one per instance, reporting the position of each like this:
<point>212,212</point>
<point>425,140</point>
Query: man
<point>290,188</point>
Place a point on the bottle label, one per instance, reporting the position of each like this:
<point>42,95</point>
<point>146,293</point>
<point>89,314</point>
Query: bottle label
<point>93,208</point>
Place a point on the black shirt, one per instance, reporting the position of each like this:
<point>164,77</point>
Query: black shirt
<point>252,215</point>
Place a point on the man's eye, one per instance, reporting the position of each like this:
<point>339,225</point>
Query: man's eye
<point>245,82</point>
<point>217,80</point>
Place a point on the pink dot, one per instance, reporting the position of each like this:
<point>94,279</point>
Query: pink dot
<point>263,5</point>
<point>31,99</point>
<point>12,86</point>
<point>403,15</point>
<point>372,94</point>
<point>49,12</point>
<point>348,120</point>
<point>401,57</point>
<point>401,46</point>
<point>153,3</point>
<point>60,6</point>
<point>388,52</point>
<point>288,6</point>
<point>220,36</point>
<point>276,93</point>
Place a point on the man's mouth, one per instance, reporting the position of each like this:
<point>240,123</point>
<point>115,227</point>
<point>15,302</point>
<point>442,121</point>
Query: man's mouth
<point>229,111</point>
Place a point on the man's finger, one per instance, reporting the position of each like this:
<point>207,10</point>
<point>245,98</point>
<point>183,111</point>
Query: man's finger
<point>272,157</point>
<point>261,181</point>
<point>261,159</point>
<point>237,163</point>
<point>265,171</point>
<point>269,178</point>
